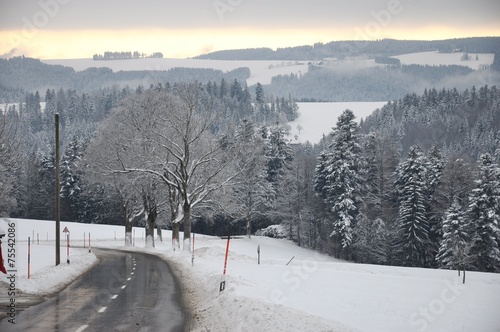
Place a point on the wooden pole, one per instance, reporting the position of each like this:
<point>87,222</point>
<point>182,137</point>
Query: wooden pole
<point>58,189</point>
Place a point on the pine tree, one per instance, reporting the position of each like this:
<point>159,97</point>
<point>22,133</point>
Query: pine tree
<point>484,216</point>
<point>434,167</point>
<point>338,180</point>
<point>259,94</point>
<point>278,154</point>
<point>455,237</point>
<point>412,219</point>
<point>70,181</point>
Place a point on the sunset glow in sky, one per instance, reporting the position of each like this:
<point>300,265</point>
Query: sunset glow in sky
<point>59,29</point>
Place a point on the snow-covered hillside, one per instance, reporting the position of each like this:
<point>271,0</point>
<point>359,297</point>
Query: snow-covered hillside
<point>261,71</point>
<point>293,289</point>
<point>437,59</point>
<point>318,119</point>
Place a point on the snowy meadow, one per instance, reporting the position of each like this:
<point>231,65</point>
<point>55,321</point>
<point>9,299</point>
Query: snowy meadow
<point>292,289</point>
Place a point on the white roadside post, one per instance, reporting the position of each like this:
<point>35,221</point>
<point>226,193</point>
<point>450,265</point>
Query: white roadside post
<point>66,230</point>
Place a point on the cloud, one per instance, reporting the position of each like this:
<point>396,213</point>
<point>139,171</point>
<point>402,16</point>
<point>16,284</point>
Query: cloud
<point>193,14</point>
<point>9,54</point>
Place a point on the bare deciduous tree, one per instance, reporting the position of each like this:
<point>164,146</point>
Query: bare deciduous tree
<point>174,139</point>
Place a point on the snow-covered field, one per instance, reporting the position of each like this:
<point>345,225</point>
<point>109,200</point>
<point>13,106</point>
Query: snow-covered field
<point>312,293</point>
<point>436,59</point>
<point>318,119</point>
<point>261,71</point>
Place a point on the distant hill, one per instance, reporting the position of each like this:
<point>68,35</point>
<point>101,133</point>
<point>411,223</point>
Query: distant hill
<point>20,74</point>
<point>341,49</point>
<point>461,123</point>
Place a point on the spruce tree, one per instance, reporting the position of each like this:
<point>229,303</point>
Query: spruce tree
<point>71,181</point>
<point>412,219</point>
<point>484,216</point>
<point>339,179</point>
<point>454,239</point>
<point>434,166</point>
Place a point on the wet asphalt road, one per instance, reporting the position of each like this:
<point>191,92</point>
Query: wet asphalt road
<point>125,292</point>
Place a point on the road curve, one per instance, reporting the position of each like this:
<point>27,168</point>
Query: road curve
<point>126,291</point>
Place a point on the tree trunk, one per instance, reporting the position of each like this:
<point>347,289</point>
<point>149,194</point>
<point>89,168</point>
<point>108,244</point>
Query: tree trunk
<point>150,229</point>
<point>464,277</point>
<point>187,227</point>
<point>249,225</point>
<point>128,232</point>
<point>128,225</point>
<point>151,214</point>
<point>158,232</point>
<point>175,235</point>
<point>299,243</point>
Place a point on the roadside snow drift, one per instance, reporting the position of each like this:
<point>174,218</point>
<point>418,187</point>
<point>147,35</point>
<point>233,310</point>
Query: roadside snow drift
<point>292,289</point>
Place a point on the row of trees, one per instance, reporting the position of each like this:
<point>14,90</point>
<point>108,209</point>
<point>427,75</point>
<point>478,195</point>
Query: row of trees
<point>345,82</point>
<point>183,157</point>
<point>21,75</point>
<point>422,211</point>
<point>372,48</point>
<point>462,123</point>
<point>187,154</point>
<point>125,55</point>
<point>80,114</point>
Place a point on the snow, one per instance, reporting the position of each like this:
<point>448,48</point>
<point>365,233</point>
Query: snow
<point>313,292</point>
<point>436,59</point>
<point>261,70</point>
<point>5,106</point>
<point>318,119</point>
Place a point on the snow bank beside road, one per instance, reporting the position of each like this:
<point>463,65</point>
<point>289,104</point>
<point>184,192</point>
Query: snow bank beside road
<point>312,293</point>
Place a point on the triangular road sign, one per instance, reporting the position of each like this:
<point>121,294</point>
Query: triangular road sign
<point>65,230</point>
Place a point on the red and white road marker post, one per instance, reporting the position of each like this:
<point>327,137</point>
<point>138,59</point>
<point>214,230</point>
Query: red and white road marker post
<point>223,281</point>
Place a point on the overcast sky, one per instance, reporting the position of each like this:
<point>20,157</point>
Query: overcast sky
<point>184,28</point>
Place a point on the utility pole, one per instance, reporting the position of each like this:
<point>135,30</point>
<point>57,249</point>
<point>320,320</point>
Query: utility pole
<point>58,202</point>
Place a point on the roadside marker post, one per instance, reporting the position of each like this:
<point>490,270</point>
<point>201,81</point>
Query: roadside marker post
<point>89,244</point>
<point>223,282</point>
<point>29,258</point>
<point>84,244</point>
<point>66,230</point>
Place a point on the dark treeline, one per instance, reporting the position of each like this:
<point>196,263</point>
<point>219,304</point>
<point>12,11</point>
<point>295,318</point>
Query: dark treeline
<point>415,184</point>
<point>342,49</point>
<point>80,113</point>
<point>338,83</point>
<point>28,75</point>
<point>466,123</point>
<point>125,55</point>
